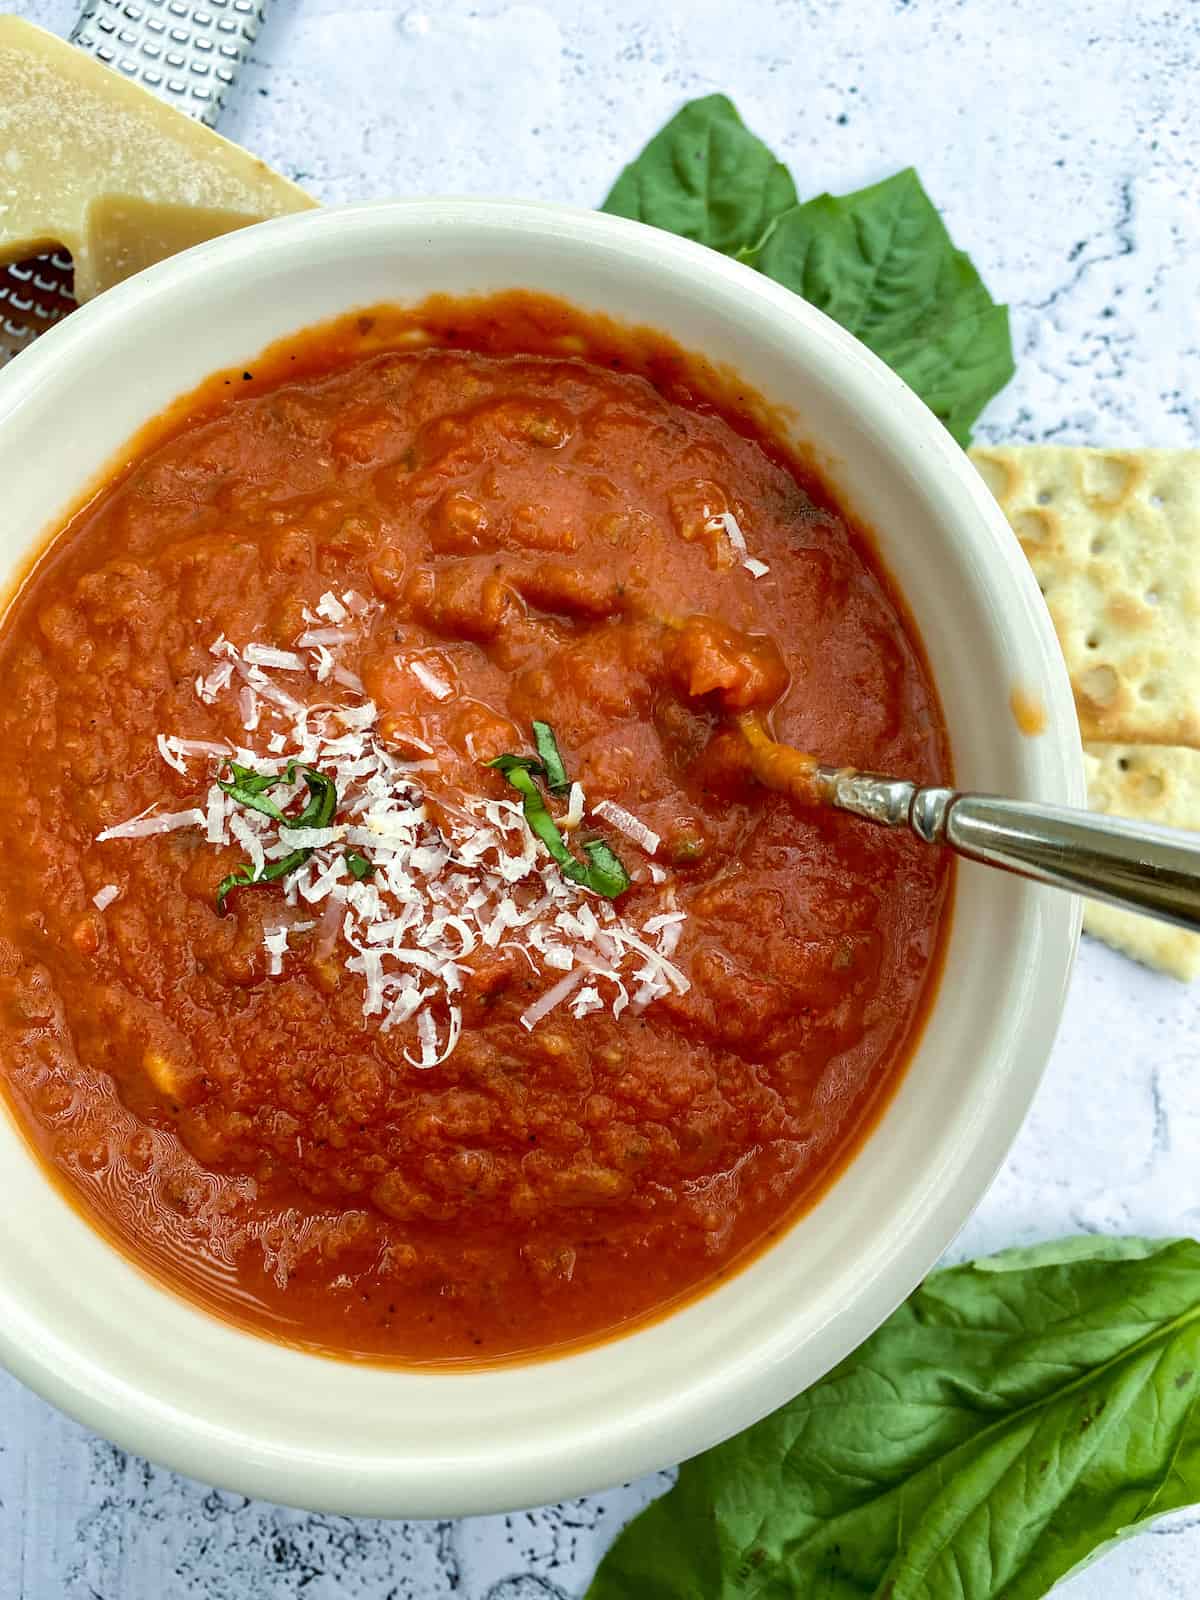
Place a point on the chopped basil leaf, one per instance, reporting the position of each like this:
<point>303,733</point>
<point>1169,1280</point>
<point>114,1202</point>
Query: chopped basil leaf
<point>552,762</point>
<point>239,877</point>
<point>506,764</point>
<point>607,874</point>
<point>519,771</point>
<point>249,789</point>
<point>602,872</point>
<point>281,868</point>
<point>319,812</point>
<point>359,866</point>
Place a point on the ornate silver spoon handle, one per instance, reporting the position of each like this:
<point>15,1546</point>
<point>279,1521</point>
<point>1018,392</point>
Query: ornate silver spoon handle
<point>1129,864</point>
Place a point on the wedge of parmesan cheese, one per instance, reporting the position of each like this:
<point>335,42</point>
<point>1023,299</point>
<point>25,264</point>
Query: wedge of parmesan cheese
<point>100,166</point>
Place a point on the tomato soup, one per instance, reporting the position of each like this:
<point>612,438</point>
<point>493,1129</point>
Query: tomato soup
<point>396,953</point>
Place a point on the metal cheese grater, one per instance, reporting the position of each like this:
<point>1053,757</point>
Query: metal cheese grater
<point>190,56</point>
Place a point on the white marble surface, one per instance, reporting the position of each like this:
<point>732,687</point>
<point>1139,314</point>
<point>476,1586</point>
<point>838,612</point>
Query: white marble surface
<point>1061,146</point>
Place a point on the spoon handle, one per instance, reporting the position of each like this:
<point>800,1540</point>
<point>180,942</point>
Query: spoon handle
<point>1152,870</point>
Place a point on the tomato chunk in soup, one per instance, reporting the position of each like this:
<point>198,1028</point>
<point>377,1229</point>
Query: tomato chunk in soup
<point>417,1094</point>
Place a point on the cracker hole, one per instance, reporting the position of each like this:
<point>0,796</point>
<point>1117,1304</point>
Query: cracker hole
<point>1149,691</point>
<point>1092,641</point>
<point>1157,501</point>
<point>1100,686</point>
<point>1152,597</point>
<point>1031,527</point>
<point>1045,497</point>
<point>1098,545</point>
<point>1152,786</point>
<point>1123,763</point>
<point>1106,479</point>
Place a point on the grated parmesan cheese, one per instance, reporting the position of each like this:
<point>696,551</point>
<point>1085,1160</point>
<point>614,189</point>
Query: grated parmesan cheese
<point>586,1001</point>
<point>546,1003</point>
<point>168,754</point>
<point>165,822</point>
<point>348,679</point>
<point>625,822</point>
<point>455,876</point>
<point>733,531</point>
<point>249,840</point>
<point>756,568</point>
<point>315,637</point>
<point>103,898</point>
<point>437,687</point>
<point>207,689</point>
<point>573,816</point>
<point>214,816</point>
<point>266,655</point>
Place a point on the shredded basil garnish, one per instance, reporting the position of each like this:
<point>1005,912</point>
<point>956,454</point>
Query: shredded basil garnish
<point>552,762</point>
<point>602,872</point>
<point>606,875</point>
<point>249,788</point>
<point>243,877</point>
<point>322,804</point>
<point>360,867</point>
<point>239,876</point>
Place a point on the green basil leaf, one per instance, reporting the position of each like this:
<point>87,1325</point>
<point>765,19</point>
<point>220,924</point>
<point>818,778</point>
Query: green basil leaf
<point>238,878</point>
<point>359,866</point>
<point>606,873</point>
<point>519,771</point>
<point>881,263</point>
<point>1007,1423</point>
<point>508,763</point>
<point>322,803</point>
<point>249,788</point>
<point>552,762</point>
<point>707,177</point>
<point>602,872</point>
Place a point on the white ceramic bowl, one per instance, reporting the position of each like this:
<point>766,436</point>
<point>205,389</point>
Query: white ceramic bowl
<point>86,1329</point>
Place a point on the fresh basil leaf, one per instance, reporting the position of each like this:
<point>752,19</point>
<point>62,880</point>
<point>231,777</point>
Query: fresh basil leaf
<point>606,873</point>
<point>552,762</point>
<point>881,263</point>
<point>359,866</point>
<point>238,878</point>
<point>707,177</point>
<point>1012,1419</point>
<point>249,788</point>
<point>281,868</point>
<point>509,763</point>
<point>602,872</point>
<point>244,877</point>
<point>519,771</point>
<point>322,803</point>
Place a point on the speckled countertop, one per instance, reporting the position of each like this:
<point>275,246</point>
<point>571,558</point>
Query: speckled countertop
<point>1061,146</point>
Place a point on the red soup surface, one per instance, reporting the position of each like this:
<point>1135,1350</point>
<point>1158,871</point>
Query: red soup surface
<point>422,1092</point>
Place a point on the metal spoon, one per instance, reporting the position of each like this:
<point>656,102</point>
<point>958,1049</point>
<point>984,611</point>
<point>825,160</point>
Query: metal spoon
<point>1129,864</point>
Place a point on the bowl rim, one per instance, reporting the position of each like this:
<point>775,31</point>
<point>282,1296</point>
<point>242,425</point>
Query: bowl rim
<point>694,1417</point>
